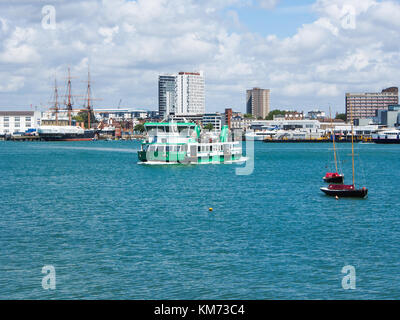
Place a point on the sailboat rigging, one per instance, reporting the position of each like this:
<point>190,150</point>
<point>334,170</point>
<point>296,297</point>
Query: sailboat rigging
<point>333,177</point>
<point>342,190</point>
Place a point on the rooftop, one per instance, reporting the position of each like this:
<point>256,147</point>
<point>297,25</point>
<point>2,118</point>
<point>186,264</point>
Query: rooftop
<point>17,113</point>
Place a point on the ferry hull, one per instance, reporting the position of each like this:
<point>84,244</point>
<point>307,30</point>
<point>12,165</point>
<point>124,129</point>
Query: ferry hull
<point>181,158</point>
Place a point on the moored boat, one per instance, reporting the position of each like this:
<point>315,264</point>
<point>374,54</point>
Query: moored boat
<point>333,177</point>
<point>344,191</point>
<point>387,137</point>
<point>65,133</point>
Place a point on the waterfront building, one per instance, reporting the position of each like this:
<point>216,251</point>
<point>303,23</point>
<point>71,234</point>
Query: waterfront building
<point>166,94</point>
<point>316,115</point>
<point>189,93</point>
<point>364,122</point>
<point>119,114</point>
<point>257,102</point>
<point>213,118</point>
<point>365,105</point>
<point>294,115</point>
<point>196,118</point>
<point>328,123</point>
<point>228,117</point>
<point>390,117</point>
<point>151,114</point>
<point>12,122</point>
<point>240,122</point>
<point>308,125</point>
<point>181,94</point>
<point>345,130</point>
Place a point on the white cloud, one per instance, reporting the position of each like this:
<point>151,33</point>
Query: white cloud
<point>11,84</point>
<point>268,4</point>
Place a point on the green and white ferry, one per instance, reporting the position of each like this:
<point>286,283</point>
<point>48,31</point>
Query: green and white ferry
<point>184,143</point>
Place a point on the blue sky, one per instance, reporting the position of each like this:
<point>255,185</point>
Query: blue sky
<point>283,20</point>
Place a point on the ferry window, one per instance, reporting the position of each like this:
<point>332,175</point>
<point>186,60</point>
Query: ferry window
<point>199,148</point>
<point>167,148</point>
<point>168,129</point>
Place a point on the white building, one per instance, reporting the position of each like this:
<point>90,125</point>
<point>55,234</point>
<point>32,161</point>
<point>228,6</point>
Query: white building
<point>12,122</point>
<point>189,94</point>
<point>122,114</point>
<point>316,114</point>
<point>306,125</point>
<point>238,122</point>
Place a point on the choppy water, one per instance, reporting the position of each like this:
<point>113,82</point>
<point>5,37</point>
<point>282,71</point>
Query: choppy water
<point>114,229</point>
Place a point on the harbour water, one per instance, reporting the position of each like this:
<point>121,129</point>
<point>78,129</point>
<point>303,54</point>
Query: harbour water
<point>115,230</point>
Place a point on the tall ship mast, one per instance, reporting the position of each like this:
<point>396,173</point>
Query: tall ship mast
<point>89,100</point>
<point>56,105</point>
<point>68,132</point>
<point>69,98</point>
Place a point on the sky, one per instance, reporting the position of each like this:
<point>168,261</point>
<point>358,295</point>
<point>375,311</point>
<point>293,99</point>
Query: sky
<point>309,53</point>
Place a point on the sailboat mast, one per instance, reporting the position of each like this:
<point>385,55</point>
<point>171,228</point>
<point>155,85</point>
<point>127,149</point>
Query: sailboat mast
<point>352,141</point>
<point>333,139</point>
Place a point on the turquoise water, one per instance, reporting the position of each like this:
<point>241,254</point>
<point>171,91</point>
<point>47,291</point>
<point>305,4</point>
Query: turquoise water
<point>114,229</point>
